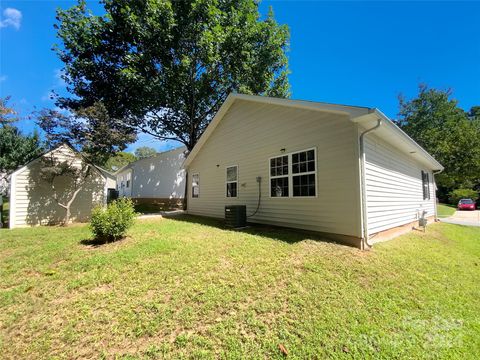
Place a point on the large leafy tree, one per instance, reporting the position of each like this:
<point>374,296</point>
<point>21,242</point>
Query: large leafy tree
<point>89,129</point>
<point>164,67</point>
<point>119,160</point>
<point>145,152</point>
<point>436,122</point>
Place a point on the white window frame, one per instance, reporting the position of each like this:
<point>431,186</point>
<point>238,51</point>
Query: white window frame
<point>291,175</point>
<point>198,186</point>
<point>128,180</point>
<point>230,182</point>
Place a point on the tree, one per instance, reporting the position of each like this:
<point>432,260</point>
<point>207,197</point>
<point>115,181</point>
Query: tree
<point>474,113</point>
<point>145,152</point>
<point>436,122</point>
<point>16,149</point>
<point>90,129</point>
<point>65,178</point>
<point>7,114</point>
<point>164,67</point>
<point>119,160</point>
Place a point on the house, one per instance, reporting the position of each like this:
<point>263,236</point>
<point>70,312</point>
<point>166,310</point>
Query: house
<point>157,179</point>
<point>32,198</point>
<point>345,171</point>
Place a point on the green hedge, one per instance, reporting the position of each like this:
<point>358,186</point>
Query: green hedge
<point>111,223</point>
<point>456,195</point>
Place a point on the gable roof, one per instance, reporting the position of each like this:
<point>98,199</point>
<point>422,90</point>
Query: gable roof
<point>365,116</point>
<point>98,169</point>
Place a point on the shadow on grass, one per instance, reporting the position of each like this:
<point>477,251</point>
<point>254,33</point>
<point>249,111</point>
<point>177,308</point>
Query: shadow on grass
<point>288,235</point>
<point>98,242</point>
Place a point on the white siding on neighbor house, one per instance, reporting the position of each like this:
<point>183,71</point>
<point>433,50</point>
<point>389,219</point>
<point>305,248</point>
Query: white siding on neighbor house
<point>394,187</point>
<point>124,183</point>
<point>160,176</point>
<point>249,135</point>
<point>31,200</point>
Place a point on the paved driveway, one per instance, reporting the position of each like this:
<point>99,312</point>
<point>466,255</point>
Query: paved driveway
<point>470,218</point>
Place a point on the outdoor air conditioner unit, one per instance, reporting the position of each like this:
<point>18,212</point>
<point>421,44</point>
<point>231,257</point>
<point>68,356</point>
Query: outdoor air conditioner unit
<point>236,216</point>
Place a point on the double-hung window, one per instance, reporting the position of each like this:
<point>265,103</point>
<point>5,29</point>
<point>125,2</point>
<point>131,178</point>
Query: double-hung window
<point>425,186</point>
<point>195,185</point>
<point>294,175</point>
<point>279,171</point>
<point>232,181</point>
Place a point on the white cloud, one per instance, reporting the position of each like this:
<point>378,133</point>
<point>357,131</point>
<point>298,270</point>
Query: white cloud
<point>3,78</point>
<point>11,17</point>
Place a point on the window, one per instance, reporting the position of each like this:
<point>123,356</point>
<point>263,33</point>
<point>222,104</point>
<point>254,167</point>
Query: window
<point>425,186</point>
<point>128,180</point>
<point>303,164</point>
<point>195,185</point>
<point>232,181</point>
<point>279,177</point>
<point>299,180</point>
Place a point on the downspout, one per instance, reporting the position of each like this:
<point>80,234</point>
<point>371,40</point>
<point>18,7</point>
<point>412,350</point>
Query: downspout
<point>435,184</point>
<point>363,187</point>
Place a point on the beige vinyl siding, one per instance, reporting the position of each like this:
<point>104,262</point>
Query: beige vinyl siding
<point>394,187</point>
<point>31,198</point>
<point>249,135</point>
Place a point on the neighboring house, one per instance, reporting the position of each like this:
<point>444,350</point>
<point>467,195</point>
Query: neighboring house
<point>159,178</point>
<point>348,172</point>
<point>31,197</point>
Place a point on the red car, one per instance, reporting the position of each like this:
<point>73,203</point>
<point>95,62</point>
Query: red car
<point>466,204</point>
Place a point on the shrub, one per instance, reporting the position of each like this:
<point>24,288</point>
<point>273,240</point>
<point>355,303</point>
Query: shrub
<point>111,223</point>
<point>458,194</point>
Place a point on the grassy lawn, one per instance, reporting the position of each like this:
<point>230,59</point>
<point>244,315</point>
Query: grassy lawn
<point>187,288</point>
<point>445,210</point>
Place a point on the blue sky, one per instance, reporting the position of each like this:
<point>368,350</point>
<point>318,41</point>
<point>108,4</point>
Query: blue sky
<point>357,53</point>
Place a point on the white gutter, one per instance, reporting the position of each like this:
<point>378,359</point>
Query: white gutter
<point>363,187</point>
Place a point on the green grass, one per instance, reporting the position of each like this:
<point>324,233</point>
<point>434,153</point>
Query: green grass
<point>187,288</point>
<point>445,210</point>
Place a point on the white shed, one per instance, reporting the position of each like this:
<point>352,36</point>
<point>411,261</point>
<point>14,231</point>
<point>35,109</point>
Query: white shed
<point>31,198</point>
<point>346,171</point>
<point>153,179</point>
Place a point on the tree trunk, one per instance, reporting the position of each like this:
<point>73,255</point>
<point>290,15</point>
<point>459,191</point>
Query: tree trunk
<point>66,220</point>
